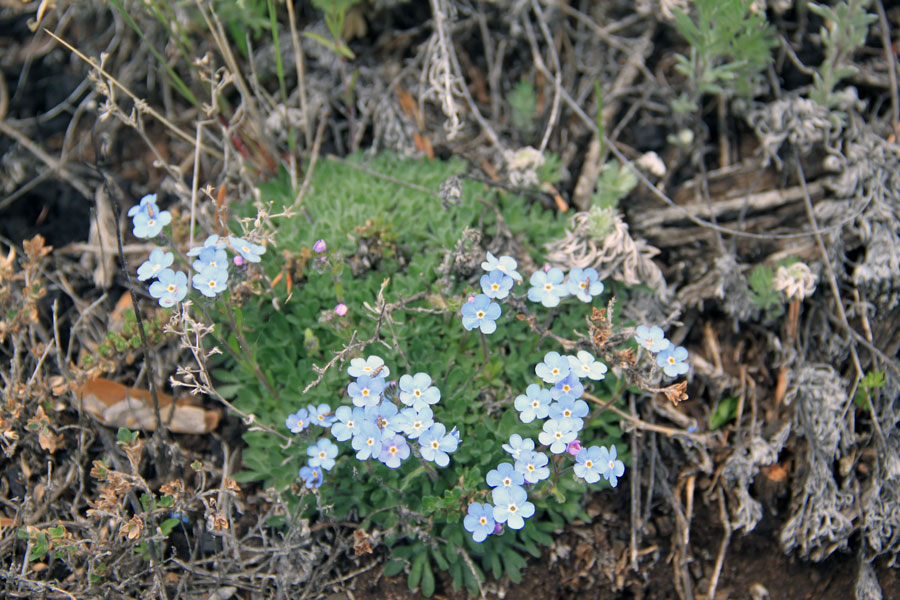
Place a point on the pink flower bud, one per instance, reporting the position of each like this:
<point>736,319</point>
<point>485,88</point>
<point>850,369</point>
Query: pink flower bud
<point>319,247</point>
<point>573,447</point>
<point>341,310</point>
<point>546,268</point>
<point>498,528</point>
<point>239,260</point>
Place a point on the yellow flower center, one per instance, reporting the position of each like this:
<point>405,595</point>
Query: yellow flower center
<point>535,403</point>
<point>512,508</point>
<point>171,288</point>
<point>583,285</point>
<point>548,287</point>
<point>393,450</point>
<point>567,413</point>
<point>370,441</point>
<point>507,481</point>
<point>671,360</point>
<point>151,222</point>
<point>495,287</point>
<point>612,464</point>
<point>555,371</point>
<point>483,521</point>
<point>530,467</point>
<point>365,391</point>
<point>480,314</point>
<point>212,283</point>
<point>417,393</point>
<point>588,463</point>
<point>435,445</point>
<point>322,454</point>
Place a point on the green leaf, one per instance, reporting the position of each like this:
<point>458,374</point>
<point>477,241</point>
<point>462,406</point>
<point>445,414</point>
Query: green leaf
<point>427,580</point>
<point>168,525</point>
<point>725,411</point>
<point>393,567</point>
<point>415,571</point>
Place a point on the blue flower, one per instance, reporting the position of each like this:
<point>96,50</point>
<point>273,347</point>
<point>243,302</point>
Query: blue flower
<point>496,285</point>
<point>416,421</point>
<point>212,242</point>
<point>533,404</point>
<point>585,365</point>
<point>504,475</point>
<point>480,521</point>
<point>673,361</point>
<point>312,475</point>
<point>210,281</point>
<point>570,387</point>
<point>347,421</point>
<point>653,338</point>
<point>547,288</point>
<point>481,313</point>
<point>573,410</point>
<point>533,466</point>
<point>366,391</point>
<point>589,462</point>
<point>455,435</point>
<point>554,369</point>
<point>504,264</point>
<point>557,434</point>
<point>511,506</point>
<point>368,366</point>
<point>149,224</point>
<point>298,421</point>
<point>213,257</point>
<point>417,391</point>
<point>610,468</point>
<point>436,443</point>
<point>367,441</point>
<point>394,450</point>
<point>584,283</point>
<point>170,287</point>
<point>158,261</point>
<point>518,446</point>
<point>320,415</point>
<point>322,454</point>
<point>384,416</point>
<point>251,252</point>
<point>147,205</point>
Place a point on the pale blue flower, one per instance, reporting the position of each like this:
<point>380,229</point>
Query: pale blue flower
<point>589,462</point>
<point>416,421</point>
<point>366,391</point>
<point>554,369</point>
<point>394,450</point>
<point>496,285</point>
<point>298,421</point>
<point>533,466</point>
<point>557,434</point>
<point>610,467</point>
<point>481,313</point>
<point>312,476</point>
<point>212,257</point>
<point>479,521</point>
<point>504,264</point>
<point>210,281</point>
<point>384,415</point>
<point>673,361</point>
<point>533,404</point>
<point>250,251</point>
<point>504,475</point>
<point>652,338</point>
<point>511,506</point>
<point>570,387</point>
<point>517,446</point>
<point>320,415</point>
<point>436,443</point>
<point>150,224</point>
<point>212,242</point>
<point>569,409</point>
<point>170,287</point>
<point>368,366</point>
<point>417,391</point>
<point>367,441</point>
<point>147,205</point>
<point>584,284</point>
<point>157,261</point>
<point>585,365</point>
<point>347,422</point>
<point>322,454</point>
<point>547,288</point>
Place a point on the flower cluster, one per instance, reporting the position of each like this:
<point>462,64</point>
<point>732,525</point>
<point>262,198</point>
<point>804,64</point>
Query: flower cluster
<point>375,426</point>
<point>672,359</point>
<point>564,412</point>
<point>496,284</point>
<point>211,259</point>
<point>551,286</point>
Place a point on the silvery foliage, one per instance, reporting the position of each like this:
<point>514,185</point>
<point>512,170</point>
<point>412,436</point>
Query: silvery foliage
<point>822,510</point>
<point>867,587</point>
<point>740,469</point>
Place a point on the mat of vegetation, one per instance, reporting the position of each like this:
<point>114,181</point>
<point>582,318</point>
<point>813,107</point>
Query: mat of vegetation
<point>387,298</point>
